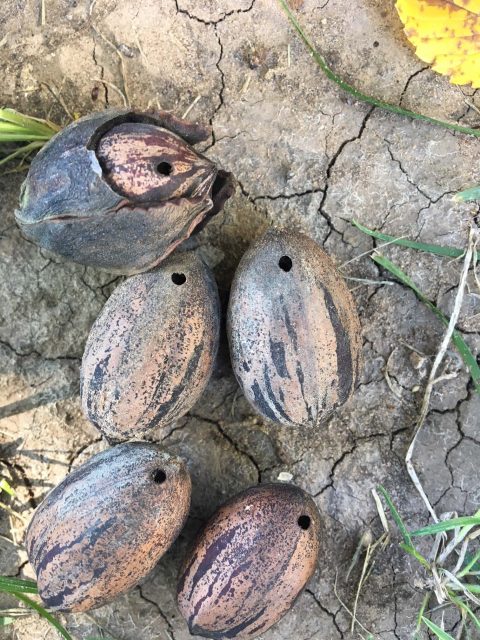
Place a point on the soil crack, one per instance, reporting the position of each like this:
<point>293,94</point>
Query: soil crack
<point>226,15</point>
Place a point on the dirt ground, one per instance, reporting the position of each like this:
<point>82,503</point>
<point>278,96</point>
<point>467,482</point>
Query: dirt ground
<point>305,156</point>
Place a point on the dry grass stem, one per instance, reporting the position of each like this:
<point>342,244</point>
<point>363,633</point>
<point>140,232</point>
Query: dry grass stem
<point>58,98</point>
<point>344,606</point>
<point>115,88</point>
<point>381,511</point>
<point>366,253</point>
<point>368,281</point>
<point>11,512</point>
<point>433,379</point>
<point>125,92</point>
<point>191,106</point>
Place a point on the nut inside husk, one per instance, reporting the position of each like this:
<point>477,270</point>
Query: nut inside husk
<point>120,190</point>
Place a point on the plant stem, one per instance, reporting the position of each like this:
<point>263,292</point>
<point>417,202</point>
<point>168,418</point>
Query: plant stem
<point>363,97</point>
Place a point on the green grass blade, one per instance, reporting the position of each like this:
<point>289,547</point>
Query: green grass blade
<point>4,486</point>
<point>449,252</point>
<point>44,614</point>
<point>396,516</point>
<point>458,602</point>
<point>28,123</point>
<point>440,633</point>
<point>22,137</point>
<point>407,544</point>
<point>473,588</point>
<point>468,195</point>
<point>473,563</point>
<point>6,620</point>
<point>460,344</point>
<point>425,601</point>
<point>415,554</point>
<point>25,150</point>
<point>17,585</point>
<point>447,525</point>
<point>359,95</point>
<point>7,127</point>
<point>16,127</point>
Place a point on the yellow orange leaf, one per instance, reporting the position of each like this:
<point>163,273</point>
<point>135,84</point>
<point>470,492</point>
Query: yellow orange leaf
<point>445,34</point>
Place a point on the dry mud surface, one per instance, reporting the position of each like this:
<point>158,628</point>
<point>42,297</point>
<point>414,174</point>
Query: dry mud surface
<point>307,156</point>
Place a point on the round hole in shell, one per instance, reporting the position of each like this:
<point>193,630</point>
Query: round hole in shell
<point>179,278</point>
<point>159,476</point>
<point>285,263</point>
<point>164,168</point>
<point>304,522</point>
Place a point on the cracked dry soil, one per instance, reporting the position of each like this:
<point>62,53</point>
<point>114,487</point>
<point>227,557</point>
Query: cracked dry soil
<point>306,156</point>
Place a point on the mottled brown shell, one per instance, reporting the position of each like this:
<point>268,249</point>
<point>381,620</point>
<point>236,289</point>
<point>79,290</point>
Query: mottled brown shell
<point>250,562</point>
<point>151,351</point>
<point>120,190</point>
<point>106,525</point>
<point>294,333</point>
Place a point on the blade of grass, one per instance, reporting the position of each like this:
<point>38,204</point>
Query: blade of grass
<point>6,620</point>
<point>471,563</point>
<point>17,585</point>
<point>44,614</point>
<point>359,95</point>
<point>396,516</point>
<point>22,137</point>
<point>463,605</point>
<point>440,633</point>
<point>473,588</point>
<point>29,122</point>
<point>17,127</point>
<point>449,252</point>
<point>460,344</point>
<point>407,544</point>
<point>447,525</point>
<point>8,127</point>
<point>425,601</point>
<point>12,512</point>
<point>415,554</point>
<point>4,486</point>
<point>26,149</point>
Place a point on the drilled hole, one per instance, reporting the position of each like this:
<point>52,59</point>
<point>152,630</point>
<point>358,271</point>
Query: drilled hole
<point>179,278</point>
<point>304,522</point>
<point>285,263</point>
<point>164,168</point>
<point>159,476</point>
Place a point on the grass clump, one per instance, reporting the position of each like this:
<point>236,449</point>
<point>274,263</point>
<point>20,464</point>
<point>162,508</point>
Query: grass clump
<point>18,128</point>
<point>452,568</point>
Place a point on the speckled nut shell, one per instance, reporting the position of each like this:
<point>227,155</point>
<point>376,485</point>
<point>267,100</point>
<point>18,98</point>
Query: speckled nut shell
<point>294,333</point>
<point>250,562</point>
<point>151,351</point>
<point>120,190</point>
<point>106,525</point>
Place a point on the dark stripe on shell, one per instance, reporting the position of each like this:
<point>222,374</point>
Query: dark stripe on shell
<point>211,554</point>
<point>271,394</point>
<point>227,633</point>
<point>178,390</point>
<point>292,334</point>
<point>57,600</point>
<point>301,380</point>
<point>261,402</point>
<point>344,354</point>
<point>277,351</point>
